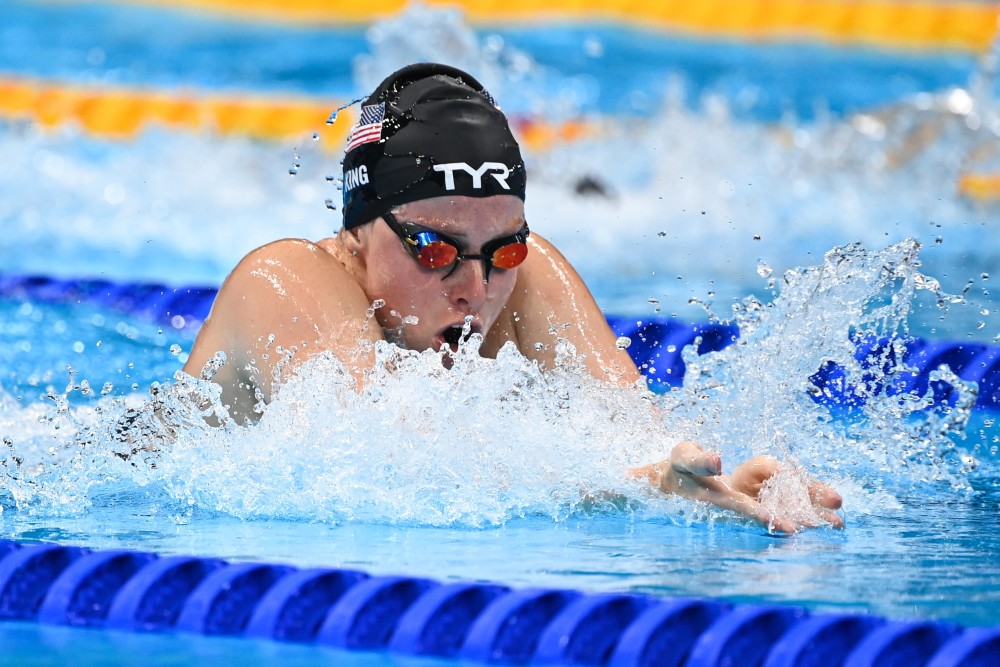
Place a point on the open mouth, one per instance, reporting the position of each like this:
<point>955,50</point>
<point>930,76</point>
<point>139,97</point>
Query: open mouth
<point>458,333</point>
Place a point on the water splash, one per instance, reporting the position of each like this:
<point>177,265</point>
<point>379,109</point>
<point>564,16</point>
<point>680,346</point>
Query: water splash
<point>759,396</point>
<point>414,445</point>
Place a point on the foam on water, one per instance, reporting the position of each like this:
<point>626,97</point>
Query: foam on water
<point>686,204</point>
<point>692,197</point>
<point>489,440</point>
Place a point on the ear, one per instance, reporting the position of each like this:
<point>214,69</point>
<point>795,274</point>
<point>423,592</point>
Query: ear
<point>353,240</point>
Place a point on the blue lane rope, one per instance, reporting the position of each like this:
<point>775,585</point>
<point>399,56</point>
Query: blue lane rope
<point>656,345</point>
<point>482,622</point>
<point>486,623</point>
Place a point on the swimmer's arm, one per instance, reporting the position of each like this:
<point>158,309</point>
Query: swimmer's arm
<point>548,296</point>
<point>551,301</point>
<point>691,472</point>
<point>289,297</point>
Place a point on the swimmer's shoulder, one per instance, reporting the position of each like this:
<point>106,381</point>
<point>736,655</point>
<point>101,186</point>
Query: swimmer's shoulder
<point>541,282</point>
<point>291,293</point>
<point>546,277</point>
<point>290,266</point>
<point>550,301</point>
<point>285,285</point>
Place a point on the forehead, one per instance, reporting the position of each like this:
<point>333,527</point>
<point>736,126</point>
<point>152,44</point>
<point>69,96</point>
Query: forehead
<point>466,215</point>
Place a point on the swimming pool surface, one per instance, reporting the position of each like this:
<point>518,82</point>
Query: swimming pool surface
<point>727,170</point>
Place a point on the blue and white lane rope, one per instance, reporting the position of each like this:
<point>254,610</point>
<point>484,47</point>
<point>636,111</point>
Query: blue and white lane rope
<point>656,344</point>
<point>488,623</point>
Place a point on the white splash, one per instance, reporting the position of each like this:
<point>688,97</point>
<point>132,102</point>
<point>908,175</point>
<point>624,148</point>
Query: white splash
<point>489,440</point>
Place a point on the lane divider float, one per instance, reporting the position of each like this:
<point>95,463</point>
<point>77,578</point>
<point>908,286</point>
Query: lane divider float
<point>656,344</point>
<point>471,621</point>
<point>917,24</point>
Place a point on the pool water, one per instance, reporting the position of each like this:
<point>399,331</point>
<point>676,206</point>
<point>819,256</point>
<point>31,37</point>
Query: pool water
<point>723,168</point>
<point>31,644</point>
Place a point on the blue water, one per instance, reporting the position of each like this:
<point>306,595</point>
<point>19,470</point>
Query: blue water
<point>709,201</point>
<point>131,46</point>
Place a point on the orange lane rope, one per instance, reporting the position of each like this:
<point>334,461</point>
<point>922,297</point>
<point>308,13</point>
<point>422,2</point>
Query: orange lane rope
<point>123,112</point>
<point>907,24</point>
<point>983,187</point>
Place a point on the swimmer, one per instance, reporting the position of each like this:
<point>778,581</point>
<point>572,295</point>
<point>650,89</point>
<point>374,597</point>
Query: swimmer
<point>434,228</point>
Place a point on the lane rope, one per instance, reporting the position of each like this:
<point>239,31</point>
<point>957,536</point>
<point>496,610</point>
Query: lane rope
<point>656,345</point>
<point>472,621</point>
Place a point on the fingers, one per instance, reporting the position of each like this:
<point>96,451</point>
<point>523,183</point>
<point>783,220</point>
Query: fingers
<point>697,474</point>
<point>749,477</point>
<point>715,491</point>
<point>833,519</point>
<point>688,457</point>
<point>746,506</point>
<point>823,495</point>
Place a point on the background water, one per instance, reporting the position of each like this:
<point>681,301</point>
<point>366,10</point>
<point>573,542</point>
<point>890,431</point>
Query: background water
<point>723,167</point>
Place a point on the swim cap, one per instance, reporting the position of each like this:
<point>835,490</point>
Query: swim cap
<point>428,130</point>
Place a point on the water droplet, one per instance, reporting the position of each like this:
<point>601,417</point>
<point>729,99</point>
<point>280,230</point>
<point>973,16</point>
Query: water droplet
<point>985,276</point>
<point>315,136</point>
<point>330,204</point>
<point>107,388</point>
<point>623,342</point>
<point>175,349</point>
<point>293,170</point>
<point>661,233</point>
<point>756,237</point>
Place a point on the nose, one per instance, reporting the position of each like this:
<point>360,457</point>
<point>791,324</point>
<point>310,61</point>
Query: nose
<point>467,288</point>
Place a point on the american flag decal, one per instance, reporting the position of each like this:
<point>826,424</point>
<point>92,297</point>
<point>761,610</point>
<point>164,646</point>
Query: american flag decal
<point>369,127</point>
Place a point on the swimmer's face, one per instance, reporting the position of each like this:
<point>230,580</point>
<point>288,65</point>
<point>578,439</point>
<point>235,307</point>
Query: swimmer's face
<point>439,298</point>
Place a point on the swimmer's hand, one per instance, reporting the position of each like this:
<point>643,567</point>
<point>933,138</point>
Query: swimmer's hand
<point>691,472</point>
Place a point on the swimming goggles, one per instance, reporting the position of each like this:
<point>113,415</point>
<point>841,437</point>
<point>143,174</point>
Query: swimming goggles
<point>434,250</point>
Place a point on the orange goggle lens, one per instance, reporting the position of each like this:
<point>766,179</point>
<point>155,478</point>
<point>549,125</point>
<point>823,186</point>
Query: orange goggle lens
<point>436,254</point>
<point>510,255</point>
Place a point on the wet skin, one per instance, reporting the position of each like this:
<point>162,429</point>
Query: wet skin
<point>296,295</point>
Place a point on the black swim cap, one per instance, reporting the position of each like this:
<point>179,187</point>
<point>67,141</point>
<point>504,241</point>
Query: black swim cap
<point>428,130</point>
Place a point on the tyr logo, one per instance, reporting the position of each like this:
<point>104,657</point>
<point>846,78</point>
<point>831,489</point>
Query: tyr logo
<point>500,173</point>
